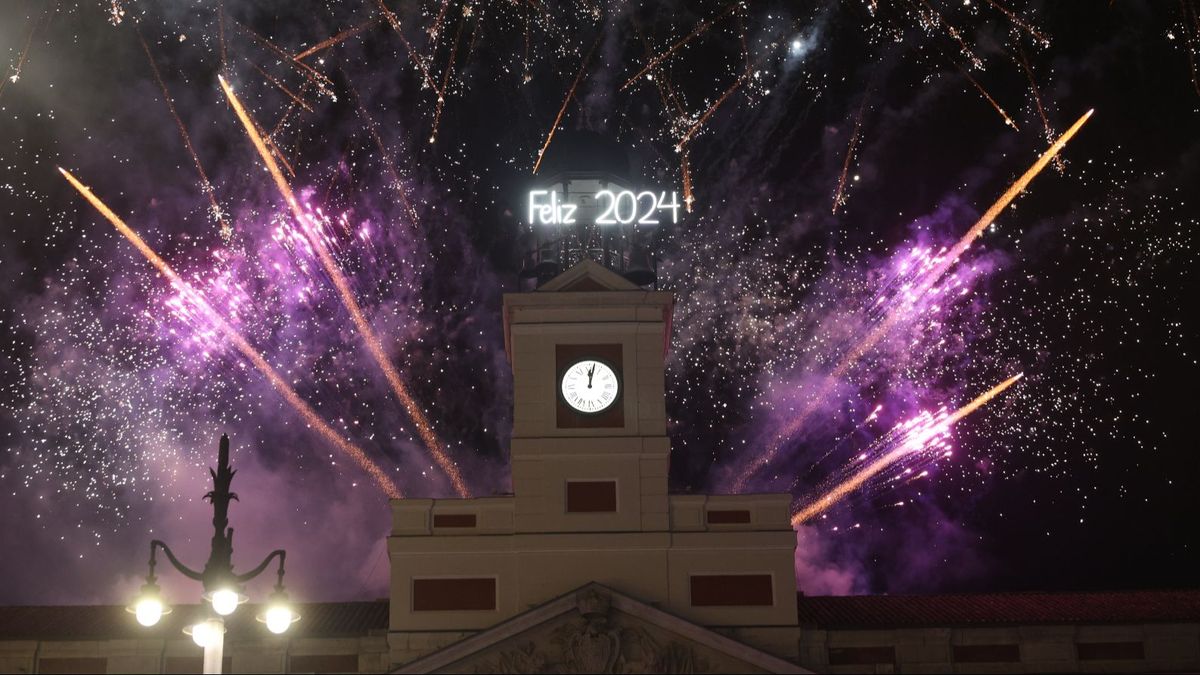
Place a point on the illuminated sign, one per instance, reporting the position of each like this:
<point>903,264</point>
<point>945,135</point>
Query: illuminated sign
<point>603,207</point>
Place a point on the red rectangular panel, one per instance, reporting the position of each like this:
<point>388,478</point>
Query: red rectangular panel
<point>454,520</point>
<point>592,496</point>
<point>435,595</point>
<point>732,590</point>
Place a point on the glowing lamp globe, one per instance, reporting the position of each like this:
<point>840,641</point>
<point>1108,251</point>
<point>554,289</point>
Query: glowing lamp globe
<point>279,614</point>
<point>148,607</point>
<point>206,633</point>
<point>148,611</point>
<point>225,601</point>
<point>278,619</point>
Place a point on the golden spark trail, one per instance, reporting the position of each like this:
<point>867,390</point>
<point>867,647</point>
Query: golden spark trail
<point>565,103</point>
<point>987,97</point>
<point>336,39</point>
<point>899,313</point>
<point>688,197</point>
<point>441,99</point>
<point>324,84</point>
<point>280,86</point>
<point>905,448</point>
<point>15,75</point>
<point>207,187</point>
<point>839,197</point>
<point>374,346</point>
<point>700,29</point>
<point>310,416</point>
<point>221,30</point>
<point>713,108</point>
<point>394,22</point>
<point>388,160</point>
<point>1021,23</point>
<point>1059,164</point>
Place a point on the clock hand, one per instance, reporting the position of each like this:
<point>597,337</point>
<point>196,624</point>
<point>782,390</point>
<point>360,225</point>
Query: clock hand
<point>591,371</point>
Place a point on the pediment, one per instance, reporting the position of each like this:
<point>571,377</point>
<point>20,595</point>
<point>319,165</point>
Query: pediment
<point>597,630</point>
<point>588,275</point>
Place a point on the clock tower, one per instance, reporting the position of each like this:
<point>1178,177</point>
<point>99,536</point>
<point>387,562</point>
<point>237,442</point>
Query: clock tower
<point>590,505</point>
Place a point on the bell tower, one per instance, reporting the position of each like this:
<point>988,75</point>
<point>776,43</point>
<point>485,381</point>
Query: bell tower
<point>589,454</point>
<point>590,457</point>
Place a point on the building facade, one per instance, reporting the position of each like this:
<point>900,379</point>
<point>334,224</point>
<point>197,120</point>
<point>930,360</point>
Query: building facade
<point>591,565</point>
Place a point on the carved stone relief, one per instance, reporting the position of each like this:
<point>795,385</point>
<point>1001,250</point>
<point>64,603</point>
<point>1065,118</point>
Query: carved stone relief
<point>595,641</point>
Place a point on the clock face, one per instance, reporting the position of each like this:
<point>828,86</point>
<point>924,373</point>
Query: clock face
<point>589,386</point>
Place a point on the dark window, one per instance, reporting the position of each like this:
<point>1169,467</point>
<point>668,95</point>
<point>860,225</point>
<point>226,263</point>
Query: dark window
<point>987,653</point>
<point>73,665</point>
<point>454,520</point>
<point>732,590</point>
<point>726,517</point>
<point>1116,651</point>
<point>431,595</point>
<point>861,656</point>
<point>323,663</point>
<point>192,664</point>
<point>593,496</point>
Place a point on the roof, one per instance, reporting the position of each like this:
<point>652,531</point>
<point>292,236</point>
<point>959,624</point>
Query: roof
<point>916,611</point>
<point>107,622</point>
<point>352,619</point>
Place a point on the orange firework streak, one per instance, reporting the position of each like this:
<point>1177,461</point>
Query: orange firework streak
<point>700,28</point>
<point>869,471</point>
<point>441,99</point>
<point>360,458</point>
<point>988,97</point>
<point>1059,164</point>
<point>716,104</point>
<point>280,86</point>
<point>394,22</point>
<point>340,37</point>
<point>226,230</point>
<point>566,101</point>
<point>895,316</point>
<point>374,346</point>
<point>388,160</point>
<point>839,198</point>
<point>1020,23</point>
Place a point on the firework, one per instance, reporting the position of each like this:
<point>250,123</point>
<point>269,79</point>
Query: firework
<point>374,346</point>
<point>387,157</point>
<point>1059,164</point>
<point>713,108</point>
<point>394,22</point>
<point>323,83</point>
<point>336,39</point>
<point>987,97</point>
<point>441,99</point>
<point>281,87</point>
<point>904,309</point>
<point>15,75</point>
<point>206,185</point>
<point>1021,23</point>
<point>566,101</point>
<point>839,197</point>
<point>700,29</point>
<point>198,300</point>
<point>913,438</point>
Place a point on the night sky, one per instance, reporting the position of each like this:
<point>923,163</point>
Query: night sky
<point>825,330</point>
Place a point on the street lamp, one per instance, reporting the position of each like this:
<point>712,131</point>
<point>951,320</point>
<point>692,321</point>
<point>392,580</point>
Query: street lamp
<point>222,587</point>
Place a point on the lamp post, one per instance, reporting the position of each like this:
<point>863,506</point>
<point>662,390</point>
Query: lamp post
<point>222,587</point>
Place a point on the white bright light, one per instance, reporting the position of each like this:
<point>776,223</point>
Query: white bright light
<point>148,611</point>
<point>278,619</point>
<point>225,601</point>
<point>203,633</point>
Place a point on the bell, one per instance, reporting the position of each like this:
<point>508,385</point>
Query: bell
<point>547,266</point>
<point>528,266</point>
<point>640,271</point>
